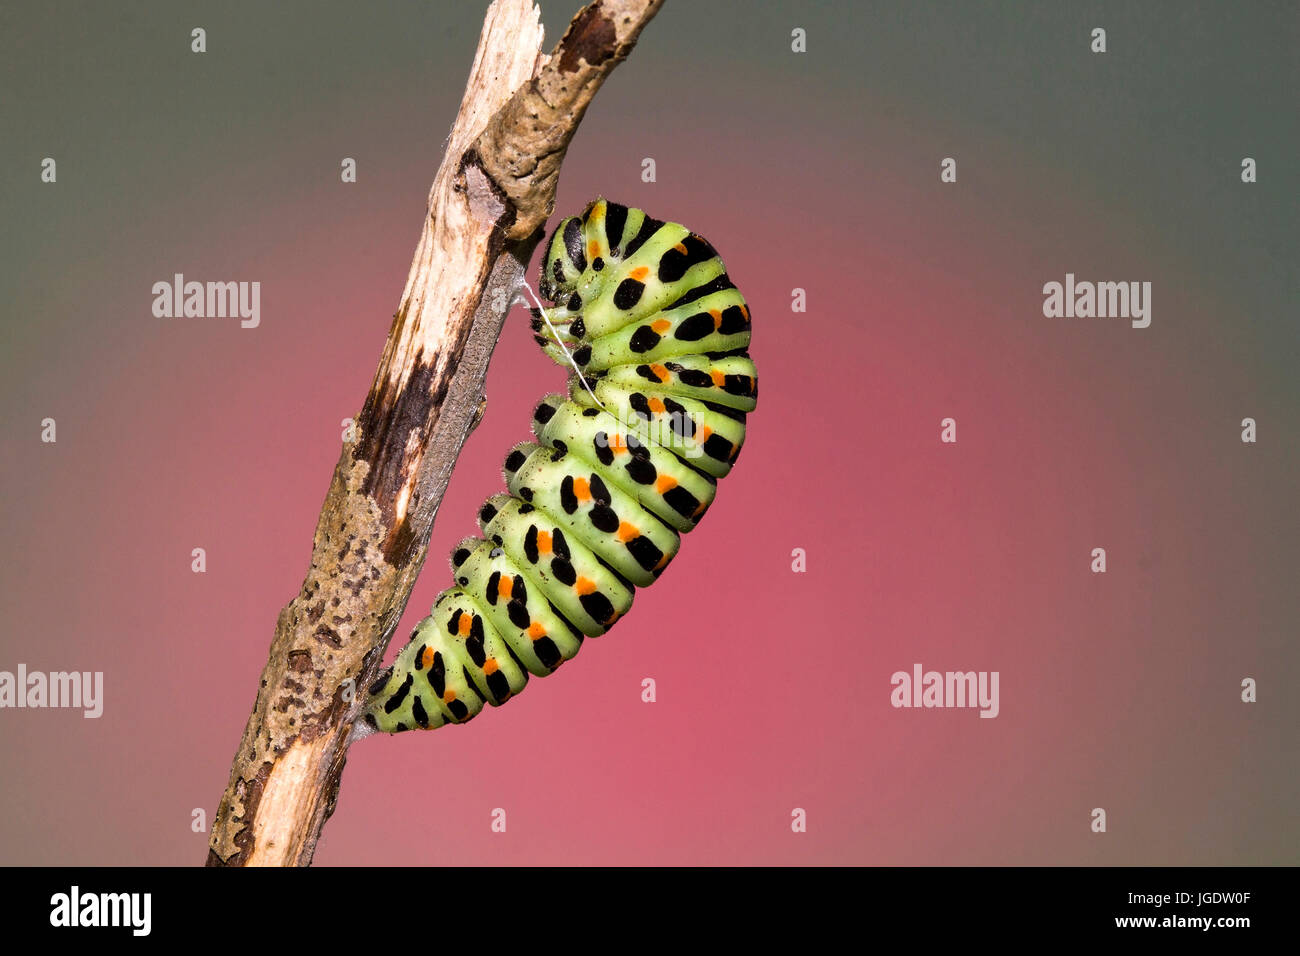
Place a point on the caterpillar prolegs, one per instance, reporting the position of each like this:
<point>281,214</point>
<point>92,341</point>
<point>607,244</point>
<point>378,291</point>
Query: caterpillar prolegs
<point>620,468</point>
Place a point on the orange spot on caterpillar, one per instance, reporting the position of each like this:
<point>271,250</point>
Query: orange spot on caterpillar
<point>627,531</point>
<point>680,248</point>
<point>660,372</point>
<point>593,249</point>
<point>584,586</point>
<point>639,273</point>
<point>609,621</point>
<point>581,489</point>
<point>718,378</point>
<point>426,659</point>
<point>505,586</point>
<point>544,542</point>
<point>448,697</point>
<point>665,484</point>
<point>703,434</point>
<point>536,631</point>
<point>490,666</point>
<point>699,510</point>
<point>745,308</point>
<point>663,562</point>
<point>661,326</point>
<point>465,621</point>
<point>656,405</point>
<point>717,317</point>
<point>597,212</point>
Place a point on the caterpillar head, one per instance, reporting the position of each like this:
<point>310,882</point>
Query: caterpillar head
<point>566,260</point>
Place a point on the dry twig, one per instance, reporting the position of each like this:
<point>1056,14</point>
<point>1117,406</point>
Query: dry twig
<point>487,207</point>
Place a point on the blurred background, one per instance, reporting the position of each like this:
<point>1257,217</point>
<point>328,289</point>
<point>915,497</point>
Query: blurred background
<point>817,171</point>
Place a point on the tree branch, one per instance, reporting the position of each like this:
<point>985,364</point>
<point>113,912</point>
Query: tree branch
<point>487,207</point>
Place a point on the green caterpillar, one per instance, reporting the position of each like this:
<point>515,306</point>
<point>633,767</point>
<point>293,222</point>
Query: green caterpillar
<point>629,461</point>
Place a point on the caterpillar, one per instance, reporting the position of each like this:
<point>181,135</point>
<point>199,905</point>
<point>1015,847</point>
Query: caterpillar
<point>645,315</point>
